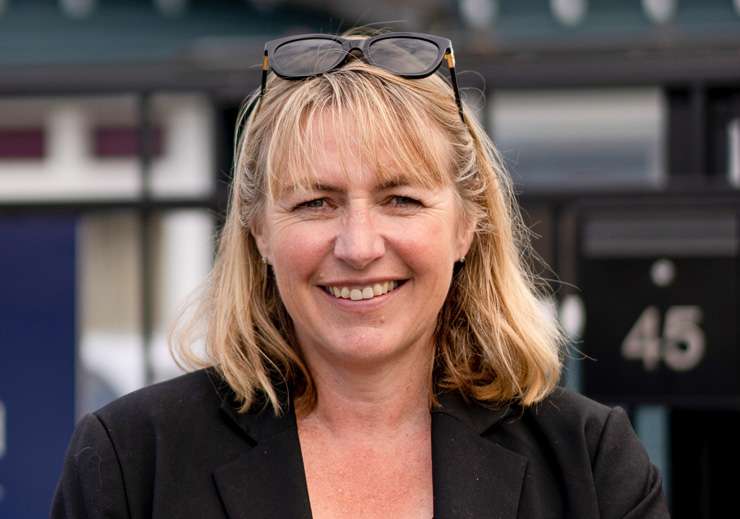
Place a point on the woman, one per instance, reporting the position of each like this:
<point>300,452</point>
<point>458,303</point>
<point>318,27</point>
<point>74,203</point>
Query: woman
<point>375,345</point>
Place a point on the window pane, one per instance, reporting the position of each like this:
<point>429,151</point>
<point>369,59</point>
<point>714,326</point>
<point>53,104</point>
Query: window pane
<point>68,168</point>
<point>111,347</point>
<point>89,147</point>
<point>186,166</point>
<point>554,140</point>
<point>182,258</point>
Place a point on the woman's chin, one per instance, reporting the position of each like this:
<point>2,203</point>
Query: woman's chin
<point>360,348</point>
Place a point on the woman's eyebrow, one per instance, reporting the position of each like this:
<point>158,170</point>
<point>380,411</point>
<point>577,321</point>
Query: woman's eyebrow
<point>393,183</point>
<point>313,186</point>
<point>328,188</point>
<point>332,188</point>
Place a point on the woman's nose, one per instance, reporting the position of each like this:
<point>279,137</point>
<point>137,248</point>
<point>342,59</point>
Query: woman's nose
<point>358,243</point>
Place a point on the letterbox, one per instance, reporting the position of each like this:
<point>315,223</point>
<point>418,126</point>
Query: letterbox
<point>660,291</point>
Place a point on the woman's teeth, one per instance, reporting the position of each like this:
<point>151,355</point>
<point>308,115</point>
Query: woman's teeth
<point>367,292</point>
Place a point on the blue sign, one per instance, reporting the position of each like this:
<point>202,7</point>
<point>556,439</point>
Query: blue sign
<point>37,358</point>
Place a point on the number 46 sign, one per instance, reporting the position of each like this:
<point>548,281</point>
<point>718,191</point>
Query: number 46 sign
<point>680,346</point>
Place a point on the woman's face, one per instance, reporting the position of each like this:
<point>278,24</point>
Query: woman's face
<point>362,268</point>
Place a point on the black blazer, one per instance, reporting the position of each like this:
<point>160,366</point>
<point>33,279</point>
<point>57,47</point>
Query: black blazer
<point>179,449</point>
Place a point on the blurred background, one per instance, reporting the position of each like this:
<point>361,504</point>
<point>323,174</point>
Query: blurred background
<point>619,121</point>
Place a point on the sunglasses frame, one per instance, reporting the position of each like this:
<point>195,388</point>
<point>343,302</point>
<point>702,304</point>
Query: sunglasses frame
<point>444,53</point>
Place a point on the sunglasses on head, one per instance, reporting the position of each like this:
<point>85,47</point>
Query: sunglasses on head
<point>406,54</point>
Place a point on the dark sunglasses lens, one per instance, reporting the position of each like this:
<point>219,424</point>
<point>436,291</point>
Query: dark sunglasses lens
<point>405,55</point>
<point>307,57</point>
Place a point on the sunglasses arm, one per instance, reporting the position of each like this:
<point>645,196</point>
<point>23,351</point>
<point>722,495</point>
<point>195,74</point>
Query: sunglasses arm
<point>450,57</point>
<point>265,70</point>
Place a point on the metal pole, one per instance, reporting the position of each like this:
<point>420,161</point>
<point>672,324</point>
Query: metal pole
<point>145,234</point>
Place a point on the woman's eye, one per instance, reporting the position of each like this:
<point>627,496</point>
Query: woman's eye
<point>317,203</point>
<point>404,201</point>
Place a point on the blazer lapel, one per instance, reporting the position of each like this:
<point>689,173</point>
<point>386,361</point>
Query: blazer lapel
<point>268,480</point>
<point>473,476</point>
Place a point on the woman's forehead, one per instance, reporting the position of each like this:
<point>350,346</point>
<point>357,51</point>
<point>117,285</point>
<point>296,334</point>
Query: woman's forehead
<point>348,173</point>
<point>338,152</point>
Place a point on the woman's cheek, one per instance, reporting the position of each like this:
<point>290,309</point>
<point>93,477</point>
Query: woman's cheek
<point>424,243</point>
<point>300,249</point>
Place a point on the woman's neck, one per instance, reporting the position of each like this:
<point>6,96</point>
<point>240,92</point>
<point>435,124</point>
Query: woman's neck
<point>389,396</point>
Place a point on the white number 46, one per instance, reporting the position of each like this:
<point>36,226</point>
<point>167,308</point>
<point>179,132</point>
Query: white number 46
<point>682,345</point>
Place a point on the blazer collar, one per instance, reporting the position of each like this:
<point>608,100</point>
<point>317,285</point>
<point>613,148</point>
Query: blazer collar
<point>268,480</point>
<point>472,476</point>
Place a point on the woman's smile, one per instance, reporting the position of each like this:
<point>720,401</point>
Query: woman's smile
<point>362,298</point>
<point>361,291</point>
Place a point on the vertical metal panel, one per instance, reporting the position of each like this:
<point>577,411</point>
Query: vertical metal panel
<point>145,211</point>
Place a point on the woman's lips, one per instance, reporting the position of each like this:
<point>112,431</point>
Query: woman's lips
<point>362,292</point>
<point>359,292</point>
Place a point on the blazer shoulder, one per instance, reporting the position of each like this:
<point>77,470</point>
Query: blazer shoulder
<point>567,407</point>
<point>565,401</point>
<point>158,447</point>
<point>626,483</point>
<point>187,395</point>
<point>593,451</point>
<point>573,418</point>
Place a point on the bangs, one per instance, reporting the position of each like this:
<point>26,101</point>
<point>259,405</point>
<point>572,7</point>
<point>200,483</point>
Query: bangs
<point>382,124</point>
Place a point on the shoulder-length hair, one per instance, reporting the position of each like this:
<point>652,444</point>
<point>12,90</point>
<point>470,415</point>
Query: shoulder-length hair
<point>495,342</point>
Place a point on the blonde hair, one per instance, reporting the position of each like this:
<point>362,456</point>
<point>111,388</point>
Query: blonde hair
<point>495,343</point>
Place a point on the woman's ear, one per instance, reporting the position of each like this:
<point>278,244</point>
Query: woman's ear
<point>465,235</point>
<point>260,239</point>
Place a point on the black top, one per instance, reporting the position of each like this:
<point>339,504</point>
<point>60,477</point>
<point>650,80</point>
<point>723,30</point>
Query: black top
<point>179,449</point>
